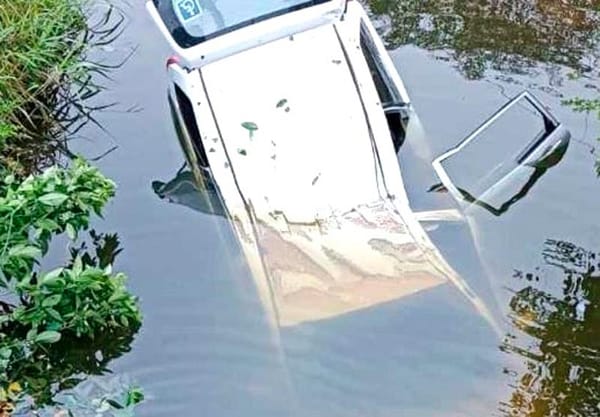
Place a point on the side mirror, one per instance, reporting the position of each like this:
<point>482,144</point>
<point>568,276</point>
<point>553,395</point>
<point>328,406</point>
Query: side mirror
<point>397,118</point>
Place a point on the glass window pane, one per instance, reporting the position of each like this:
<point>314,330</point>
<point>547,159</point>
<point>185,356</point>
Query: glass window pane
<point>494,153</point>
<point>501,161</point>
<point>194,21</point>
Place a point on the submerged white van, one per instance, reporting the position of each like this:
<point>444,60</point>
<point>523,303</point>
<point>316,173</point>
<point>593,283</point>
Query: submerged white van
<point>294,112</point>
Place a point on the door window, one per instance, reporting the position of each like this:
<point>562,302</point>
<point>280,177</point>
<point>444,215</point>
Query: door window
<point>499,163</point>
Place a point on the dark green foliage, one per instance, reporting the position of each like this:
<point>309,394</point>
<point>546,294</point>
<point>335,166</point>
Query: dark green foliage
<point>34,210</point>
<point>56,327</point>
<point>558,339</point>
<point>506,36</point>
<point>53,325</point>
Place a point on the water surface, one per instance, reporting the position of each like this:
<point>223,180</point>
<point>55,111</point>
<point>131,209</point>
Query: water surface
<point>208,347</point>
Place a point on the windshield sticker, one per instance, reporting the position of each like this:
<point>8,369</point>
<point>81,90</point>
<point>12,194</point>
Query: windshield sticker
<point>188,9</point>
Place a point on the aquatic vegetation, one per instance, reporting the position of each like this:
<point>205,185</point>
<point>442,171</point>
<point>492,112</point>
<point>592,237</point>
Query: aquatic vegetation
<point>45,80</point>
<point>513,37</point>
<point>586,106</point>
<point>559,341</point>
<point>510,36</point>
<point>57,325</point>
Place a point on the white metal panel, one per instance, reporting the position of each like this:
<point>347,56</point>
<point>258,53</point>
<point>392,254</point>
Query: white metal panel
<point>225,177</point>
<point>313,158</point>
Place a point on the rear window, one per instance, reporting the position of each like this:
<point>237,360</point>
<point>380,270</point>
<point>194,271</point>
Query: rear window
<point>191,22</point>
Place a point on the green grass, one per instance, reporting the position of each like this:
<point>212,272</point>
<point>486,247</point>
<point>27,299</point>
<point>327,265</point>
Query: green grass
<point>42,72</point>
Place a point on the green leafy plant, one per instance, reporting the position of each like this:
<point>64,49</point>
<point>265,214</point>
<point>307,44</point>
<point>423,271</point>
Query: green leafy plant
<point>34,210</point>
<point>56,327</point>
<point>54,324</point>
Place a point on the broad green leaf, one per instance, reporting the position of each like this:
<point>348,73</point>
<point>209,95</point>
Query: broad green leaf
<point>51,277</point>
<point>71,232</point>
<point>52,300</point>
<point>31,334</point>
<point>5,353</point>
<point>117,296</point>
<point>49,336</point>
<point>54,314</point>
<point>47,224</point>
<point>23,251</point>
<point>53,199</point>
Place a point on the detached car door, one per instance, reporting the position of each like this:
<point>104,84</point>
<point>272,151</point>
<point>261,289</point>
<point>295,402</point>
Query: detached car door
<point>497,164</point>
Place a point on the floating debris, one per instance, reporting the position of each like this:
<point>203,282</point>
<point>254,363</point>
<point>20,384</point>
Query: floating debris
<point>251,127</point>
<point>336,61</point>
<point>316,179</point>
<point>281,103</point>
<point>242,152</point>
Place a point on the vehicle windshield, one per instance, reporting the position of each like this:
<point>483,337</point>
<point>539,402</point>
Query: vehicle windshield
<point>191,22</point>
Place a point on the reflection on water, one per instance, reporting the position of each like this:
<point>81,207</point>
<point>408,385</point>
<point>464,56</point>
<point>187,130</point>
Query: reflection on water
<point>426,355</point>
<point>510,36</point>
<point>71,372</point>
<point>553,309</point>
<point>558,335</point>
<point>312,271</point>
<point>183,189</point>
<point>58,330</point>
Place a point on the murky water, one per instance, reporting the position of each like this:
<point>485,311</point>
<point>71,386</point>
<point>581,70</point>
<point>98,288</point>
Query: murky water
<point>208,347</point>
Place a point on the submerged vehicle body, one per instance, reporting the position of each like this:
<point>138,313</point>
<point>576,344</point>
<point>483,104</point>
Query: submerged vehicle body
<point>294,113</point>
